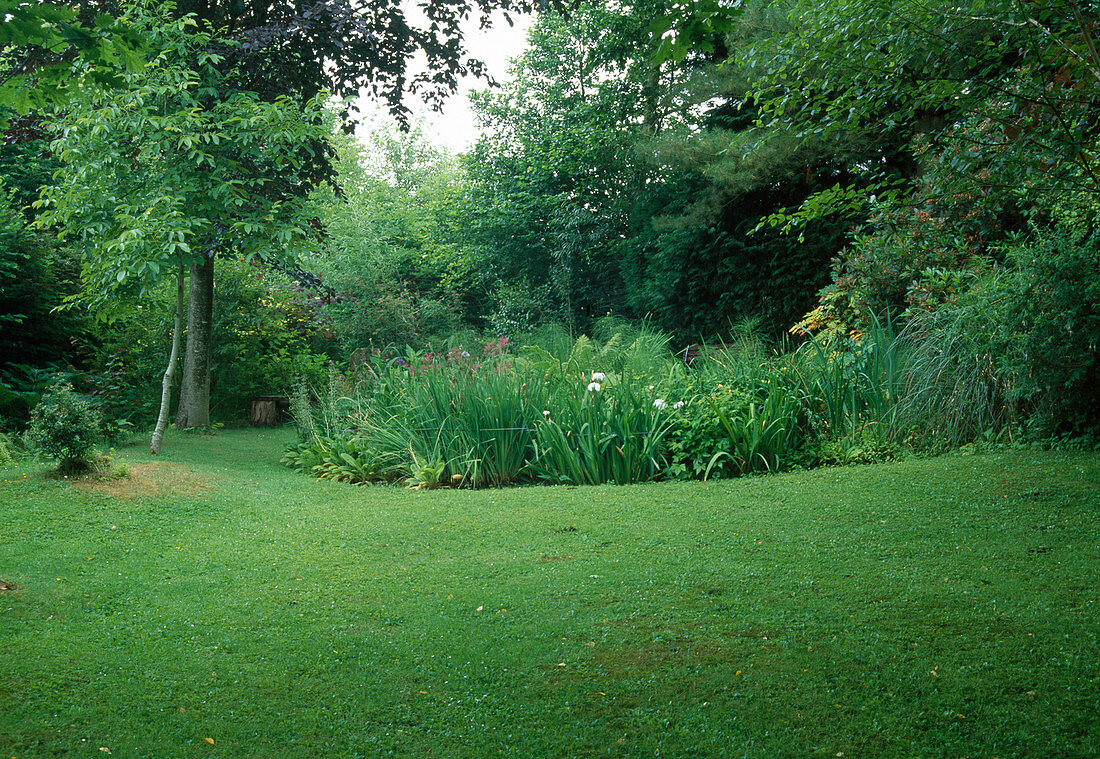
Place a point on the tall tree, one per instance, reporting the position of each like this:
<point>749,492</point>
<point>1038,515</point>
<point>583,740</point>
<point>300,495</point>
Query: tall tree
<point>556,172</point>
<point>610,182</point>
<point>39,40</point>
<point>296,49</point>
<point>1016,83</point>
<point>158,176</point>
<point>300,48</point>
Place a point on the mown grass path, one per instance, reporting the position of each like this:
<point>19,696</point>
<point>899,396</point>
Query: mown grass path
<point>218,604</point>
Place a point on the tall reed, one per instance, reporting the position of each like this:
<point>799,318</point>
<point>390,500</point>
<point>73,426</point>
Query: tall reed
<point>854,384</point>
<point>601,430</point>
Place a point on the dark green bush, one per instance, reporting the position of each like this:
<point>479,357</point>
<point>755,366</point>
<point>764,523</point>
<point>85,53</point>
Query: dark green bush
<point>64,427</point>
<point>1055,329</point>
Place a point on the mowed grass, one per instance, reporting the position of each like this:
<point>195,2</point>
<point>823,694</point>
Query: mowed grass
<point>218,604</point>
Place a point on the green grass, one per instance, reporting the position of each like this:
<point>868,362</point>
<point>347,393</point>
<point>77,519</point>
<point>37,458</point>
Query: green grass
<point>929,608</point>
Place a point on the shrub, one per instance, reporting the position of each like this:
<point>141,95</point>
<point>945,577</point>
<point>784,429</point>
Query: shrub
<point>455,415</point>
<point>853,383</point>
<point>772,433</point>
<point>64,427</point>
<point>1054,326</point>
<point>954,391</point>
<point>697,437</point>
<point>343,460</point>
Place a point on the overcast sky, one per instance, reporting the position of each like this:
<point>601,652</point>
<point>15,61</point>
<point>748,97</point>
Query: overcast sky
<point>454,128</point>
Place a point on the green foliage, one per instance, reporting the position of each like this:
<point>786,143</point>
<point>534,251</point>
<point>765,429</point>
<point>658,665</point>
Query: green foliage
<point>696,262</point>
<point>767,436</point>
<point>37,39</point>
<point>864,446</point>
<point>492,419</point>
<point>22,385</point>
<point>584,412</point>
<point>25,163</point>
<point>348,460</point>
<point>698,442</point>
<point>11,447</point>
<point>476,415</point>
<point>36,276</point>
<point>598,429</point>
<point>859,69</point>
<point>853,384</point>
<point>1056,326</point>
<point>634,352</point>
<point>741,414</point>
<point>65,427</point>
<point>394,252</point>
<point>691,26</point>
<point>265,334</point>
<point>158,174</point>
<point>553,179</point>
<point>1016,348</point>
<point>955,392</point>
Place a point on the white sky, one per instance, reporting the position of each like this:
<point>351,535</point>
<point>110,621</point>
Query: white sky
<point>454,128</point>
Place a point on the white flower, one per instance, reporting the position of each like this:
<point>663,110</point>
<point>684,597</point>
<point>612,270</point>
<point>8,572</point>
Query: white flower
<point>597,377</point>
<point>660,404</point>
<point>678,404</point>
<point>546,413</point>
<point>594,387</point>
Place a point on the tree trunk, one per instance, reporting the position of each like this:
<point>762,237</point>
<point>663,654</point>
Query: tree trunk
<point>194,408</point>
<point>170,372</point>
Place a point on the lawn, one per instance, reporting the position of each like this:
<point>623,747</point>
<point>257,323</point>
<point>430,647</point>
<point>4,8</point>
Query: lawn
<point>217,604</point>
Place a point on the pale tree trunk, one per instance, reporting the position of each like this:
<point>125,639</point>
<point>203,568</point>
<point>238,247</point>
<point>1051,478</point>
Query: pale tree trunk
<point>170,372</point>
<point>194,407</point>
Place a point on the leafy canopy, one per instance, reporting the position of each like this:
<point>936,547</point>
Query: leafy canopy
<point>170,165</point>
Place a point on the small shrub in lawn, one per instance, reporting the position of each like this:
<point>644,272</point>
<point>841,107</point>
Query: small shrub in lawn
<point>64,427</point>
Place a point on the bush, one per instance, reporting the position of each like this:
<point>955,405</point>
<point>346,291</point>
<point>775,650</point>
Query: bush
<point>488,419</point>
<point>64,427</point>
<point>1054,329</point>
<point>697,437</point>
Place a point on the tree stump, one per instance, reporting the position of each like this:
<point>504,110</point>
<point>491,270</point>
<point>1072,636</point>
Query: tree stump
<point>265,411</point>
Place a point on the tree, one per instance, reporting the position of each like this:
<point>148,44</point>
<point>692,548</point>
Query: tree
<point>611,183</point>
<point>159,176</point>
<point>394,250</point>
<point>556,173</point>
<point>40,39</point>
<point>299,48</point>
<point>1015,82</point>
